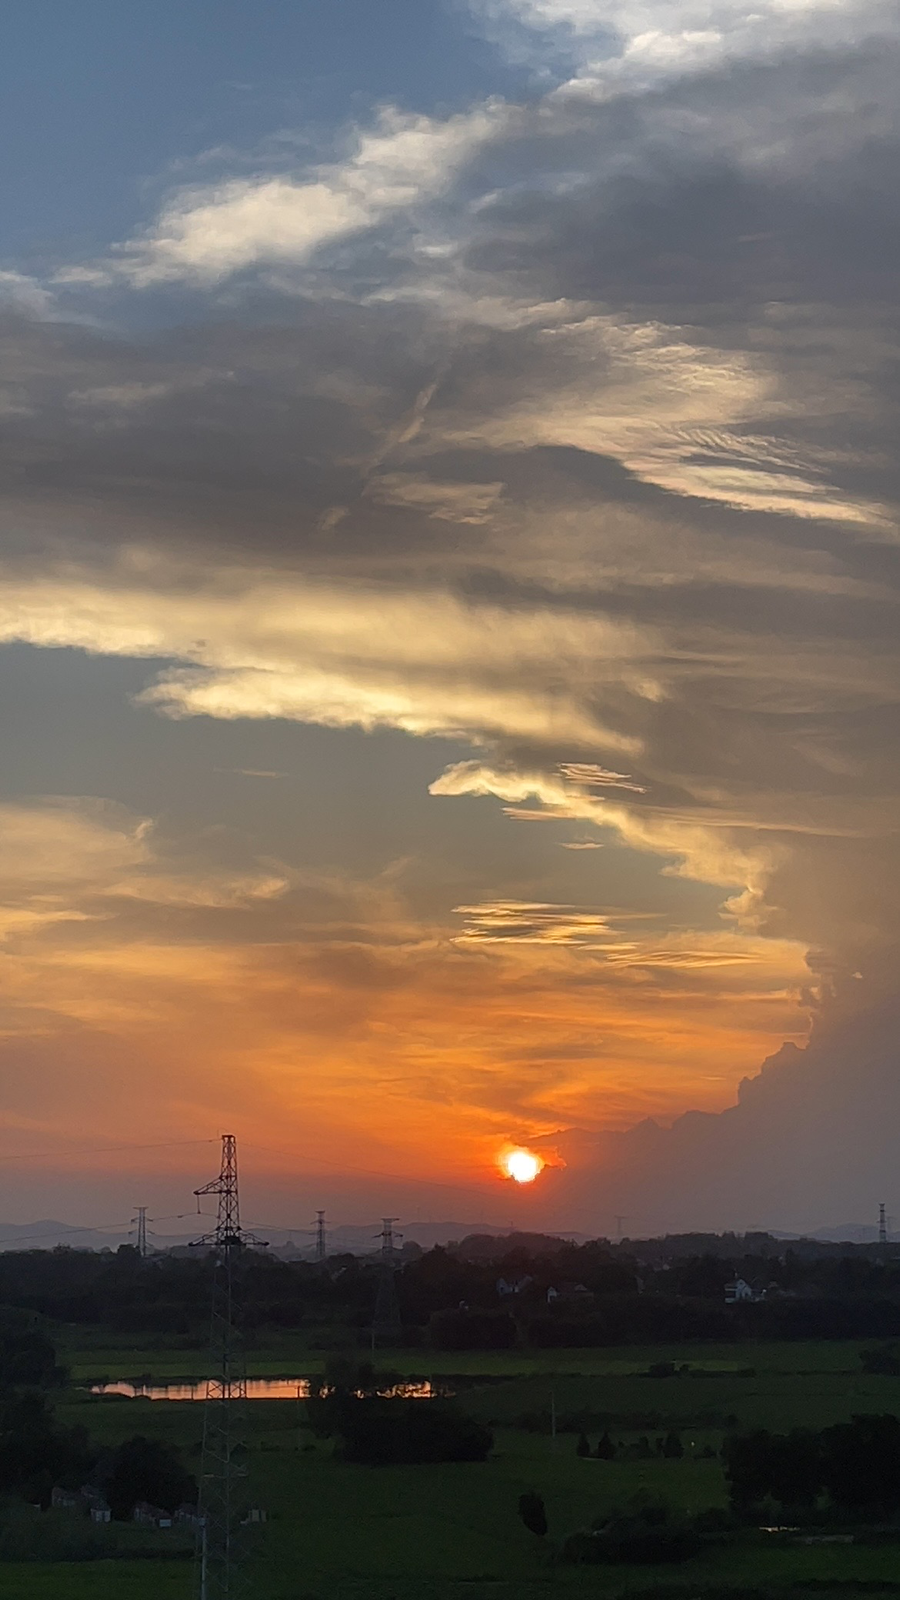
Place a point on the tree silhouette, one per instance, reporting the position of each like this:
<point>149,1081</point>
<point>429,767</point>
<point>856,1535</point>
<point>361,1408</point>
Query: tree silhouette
<point>533,1513</point>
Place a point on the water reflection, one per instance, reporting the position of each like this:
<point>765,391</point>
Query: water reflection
<point>257,1389</point>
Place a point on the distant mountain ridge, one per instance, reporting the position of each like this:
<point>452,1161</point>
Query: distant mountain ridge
<point>354,1238</point>
<point>362,1238</point>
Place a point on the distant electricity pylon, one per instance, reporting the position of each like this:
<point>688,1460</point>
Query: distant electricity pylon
<point>882,1225</point>
<point>222,1472</point>
<point>321,1247</point>
<point>386,1321</point>
<point>140,1222</point>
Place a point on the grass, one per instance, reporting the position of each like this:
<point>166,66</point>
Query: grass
<point>96,1580</point>
<point>452,1532</point>
<point>94,1353</point>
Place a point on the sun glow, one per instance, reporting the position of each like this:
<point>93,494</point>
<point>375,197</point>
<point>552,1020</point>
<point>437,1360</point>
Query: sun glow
<point>522,1166</point>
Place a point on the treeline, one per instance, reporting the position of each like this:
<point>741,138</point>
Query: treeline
<point>170,1294</point>
<point>855,1465</point>
<point>477,1296</point>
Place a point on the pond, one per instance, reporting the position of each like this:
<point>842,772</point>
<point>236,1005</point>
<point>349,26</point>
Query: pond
<point>257,1389</point>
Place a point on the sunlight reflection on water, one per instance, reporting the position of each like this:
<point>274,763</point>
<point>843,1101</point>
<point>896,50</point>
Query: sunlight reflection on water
<point>257,1389</point>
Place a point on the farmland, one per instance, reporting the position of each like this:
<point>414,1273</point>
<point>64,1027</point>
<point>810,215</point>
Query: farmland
<point>342,1532</point>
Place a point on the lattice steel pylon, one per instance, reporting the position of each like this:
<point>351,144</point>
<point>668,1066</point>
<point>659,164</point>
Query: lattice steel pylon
<point>386,1322</point>
<point>321,1237</point>
<point>140,1222</point>
<point>222,1472</point>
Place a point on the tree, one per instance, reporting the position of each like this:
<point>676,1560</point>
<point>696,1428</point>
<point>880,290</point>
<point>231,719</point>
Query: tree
<point>27,1353</point>
<point>145,1469</point>
<point>747,1459</point>
<point>583,1447</point>
<point>789,1467</point>
<point>605,1450</point>
<point>334,1395</point>
<point>533,1513</point>
<point>644,1532</point>
<point>35,1452</point>
<point>861,1464</point>
<point>376,1432</point>
<point>673,1449</point>
<point>795,1472</point>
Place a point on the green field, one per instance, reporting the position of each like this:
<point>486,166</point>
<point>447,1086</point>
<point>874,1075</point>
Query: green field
<point>287,1355</point>
<point>341,1532</point>
<point>92,1580</point>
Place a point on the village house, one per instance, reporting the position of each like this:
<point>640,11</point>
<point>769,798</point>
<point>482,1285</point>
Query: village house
<point>152,1516</point>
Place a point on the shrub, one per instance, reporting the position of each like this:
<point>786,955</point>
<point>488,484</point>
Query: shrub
<point>882,1361</point>
<point>644,1533</point>
<point>410,1432</point>
<point>533,1513</point>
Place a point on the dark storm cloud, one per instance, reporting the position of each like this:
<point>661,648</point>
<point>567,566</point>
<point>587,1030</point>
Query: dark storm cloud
<point>802,1148</point>
<point>709,195</point>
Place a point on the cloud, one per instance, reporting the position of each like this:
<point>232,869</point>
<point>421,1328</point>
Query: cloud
<point>593,776</point>
<point>519,921</point>
<point>611,44</point>
<point>206,234</point>
<point>800,1149</point>
<point>342,657</point>
<point>563,430</point>
<point>449,502</point>
<point>708,851</point>
<point>675,414</point>
<point>23,293</point>
<point>154,952</point>
<point>61,856</point>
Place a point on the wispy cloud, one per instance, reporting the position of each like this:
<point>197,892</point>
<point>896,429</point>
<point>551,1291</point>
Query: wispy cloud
<point>533,922</point>
<point>612,44</point>
<point>206,234</point>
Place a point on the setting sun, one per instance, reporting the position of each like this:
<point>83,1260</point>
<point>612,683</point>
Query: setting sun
<point>522,1166</point>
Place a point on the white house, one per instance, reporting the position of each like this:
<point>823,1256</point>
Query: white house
<point>739,1290</point>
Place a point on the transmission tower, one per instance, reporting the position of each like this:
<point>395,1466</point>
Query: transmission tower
<point>386,1321</point>
<point>222,1473</point>
<point>882,1225</point>
<point>321,1247</point>
<point>140,1222</point>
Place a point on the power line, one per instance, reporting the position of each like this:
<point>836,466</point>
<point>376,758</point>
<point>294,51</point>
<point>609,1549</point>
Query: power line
<point>55,1233</point>
<point>104,1149</point>
<point>366,1172</point>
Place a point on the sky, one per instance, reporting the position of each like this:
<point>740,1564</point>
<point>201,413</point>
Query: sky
<point>449,686</point>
